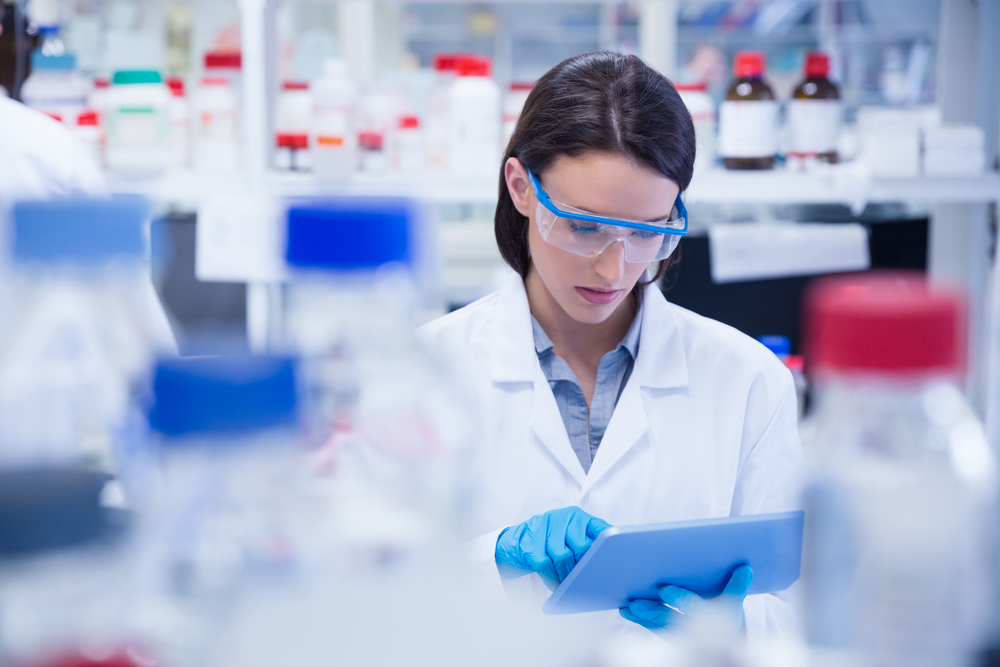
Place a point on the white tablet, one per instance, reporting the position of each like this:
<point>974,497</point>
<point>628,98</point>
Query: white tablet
<point>632,562</point>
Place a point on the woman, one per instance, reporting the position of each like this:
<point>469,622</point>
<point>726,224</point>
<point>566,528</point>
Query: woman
<point>602,402</point>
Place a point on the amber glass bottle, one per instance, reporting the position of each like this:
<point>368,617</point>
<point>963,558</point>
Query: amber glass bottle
<point>814,113</point>
<point>748,118</point>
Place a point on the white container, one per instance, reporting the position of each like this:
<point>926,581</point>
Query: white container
<point>702,109</point>
<point>226,65</point>
<point>332,136</point>
<point>437,127</point>
<point>55,88</point>
<point>890,140</point>
<point>180,124</point>
<point>408,145</point>
<point>90,134</point>
<point>138,123</point>
<point>295,107</point>
<point>474,102</point>
<point>216,126</point>
<point>954,150</point>
<point>513,102</point>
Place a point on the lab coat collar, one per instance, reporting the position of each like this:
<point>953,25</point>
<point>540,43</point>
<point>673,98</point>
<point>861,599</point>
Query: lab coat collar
<point>660,364</point>
<point>662,360</point>
<point>513,357</point>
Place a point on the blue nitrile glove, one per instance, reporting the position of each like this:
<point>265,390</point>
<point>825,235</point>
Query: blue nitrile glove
<point>680,602</point>
<point>549,544</point>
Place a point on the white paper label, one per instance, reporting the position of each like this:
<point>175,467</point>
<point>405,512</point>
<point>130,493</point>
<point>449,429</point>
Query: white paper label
<point>813,126</point>
<point>748,129</point>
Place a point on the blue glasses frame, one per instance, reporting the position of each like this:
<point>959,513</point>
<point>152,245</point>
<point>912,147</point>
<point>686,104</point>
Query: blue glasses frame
<point>546,201</point>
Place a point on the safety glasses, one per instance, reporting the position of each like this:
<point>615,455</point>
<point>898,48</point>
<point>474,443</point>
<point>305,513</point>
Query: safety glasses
<point>588,235</point>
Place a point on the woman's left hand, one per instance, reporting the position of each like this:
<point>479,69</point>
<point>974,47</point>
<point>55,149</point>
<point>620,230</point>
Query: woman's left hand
<point>680,602</point>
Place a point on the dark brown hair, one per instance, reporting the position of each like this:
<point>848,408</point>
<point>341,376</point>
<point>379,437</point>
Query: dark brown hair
<point>602,101</point>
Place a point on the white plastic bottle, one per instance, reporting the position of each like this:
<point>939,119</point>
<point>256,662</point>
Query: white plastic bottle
<point>702,109</point>
<point>474,109</point>
<point>79,331</point>
<point>138,123</point>
<point>180,124</point>
<point>438,126</point>
<point>216,126</point>
<point>408,153</point>
<point>89,133</point>
<point>54,87</point>
<point>226,65</point>
<point>333,138</point>
<point>513,102</point>
<point>900,501</point>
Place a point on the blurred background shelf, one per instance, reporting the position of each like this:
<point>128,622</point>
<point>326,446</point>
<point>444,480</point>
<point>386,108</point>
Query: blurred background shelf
<point>184,190</point>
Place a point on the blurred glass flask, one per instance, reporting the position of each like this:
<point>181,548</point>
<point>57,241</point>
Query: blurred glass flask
<point>226,515</point>
<point>80,326</point>
<point>384,421</point>
<point>901,496</point>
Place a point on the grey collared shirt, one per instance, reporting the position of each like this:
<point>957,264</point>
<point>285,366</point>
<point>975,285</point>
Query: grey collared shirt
<point>587,430</point>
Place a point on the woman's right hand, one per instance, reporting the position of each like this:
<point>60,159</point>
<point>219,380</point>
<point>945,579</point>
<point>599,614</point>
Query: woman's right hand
<point>550,544</point>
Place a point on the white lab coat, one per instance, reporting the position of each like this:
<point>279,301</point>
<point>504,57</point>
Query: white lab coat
<point>706,427</point>
<point>40,158</point>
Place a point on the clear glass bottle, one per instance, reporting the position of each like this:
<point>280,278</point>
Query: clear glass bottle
<point>748,118</point>
<point>381,415</point>
<point>227,516</point>
<point>900,499</point>
<point>80,328</point>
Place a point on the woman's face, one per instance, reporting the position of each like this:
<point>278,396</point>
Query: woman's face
<point>590,289</point>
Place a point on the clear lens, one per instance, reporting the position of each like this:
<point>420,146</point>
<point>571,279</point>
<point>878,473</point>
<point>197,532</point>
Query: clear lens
<point>590,239</point>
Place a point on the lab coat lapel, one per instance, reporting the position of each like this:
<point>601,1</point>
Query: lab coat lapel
<point>514,360</point>
<point>661,365</point>
<point>547,425</point>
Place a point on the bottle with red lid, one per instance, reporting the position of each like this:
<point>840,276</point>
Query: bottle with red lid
<point>474,112</point>
<point>408,153</point>
<point>902,482</point>
<point>180,123</point>
<point>748,118</point>
<point>814,113</point>
<point>701,106</point>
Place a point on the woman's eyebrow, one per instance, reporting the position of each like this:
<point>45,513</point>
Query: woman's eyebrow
<point>601,215</point>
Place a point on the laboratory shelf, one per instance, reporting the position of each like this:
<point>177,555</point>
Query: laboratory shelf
<point>845,184</point>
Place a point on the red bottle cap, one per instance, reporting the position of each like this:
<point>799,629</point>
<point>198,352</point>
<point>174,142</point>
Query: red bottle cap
<point>522,85</point>
<point>176,85</point>
<point>699,86</point>
<point>294,85</point>
<point>101,83</point>
<point>446,62</point>
<point>409,122</point>
<point>87,118</point>
<point>230,59</point>
<point>370,140</point>
<point>817,64</point>
<point>292,140</point>
<point>214,81</point>
<point>473,66</point>
<point>749,65</point>
<point>893,322</point>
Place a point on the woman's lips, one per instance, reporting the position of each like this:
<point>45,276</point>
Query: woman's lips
<point>596,296</point>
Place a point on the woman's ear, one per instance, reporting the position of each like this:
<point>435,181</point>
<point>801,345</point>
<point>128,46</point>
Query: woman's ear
<point>518,185</point>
